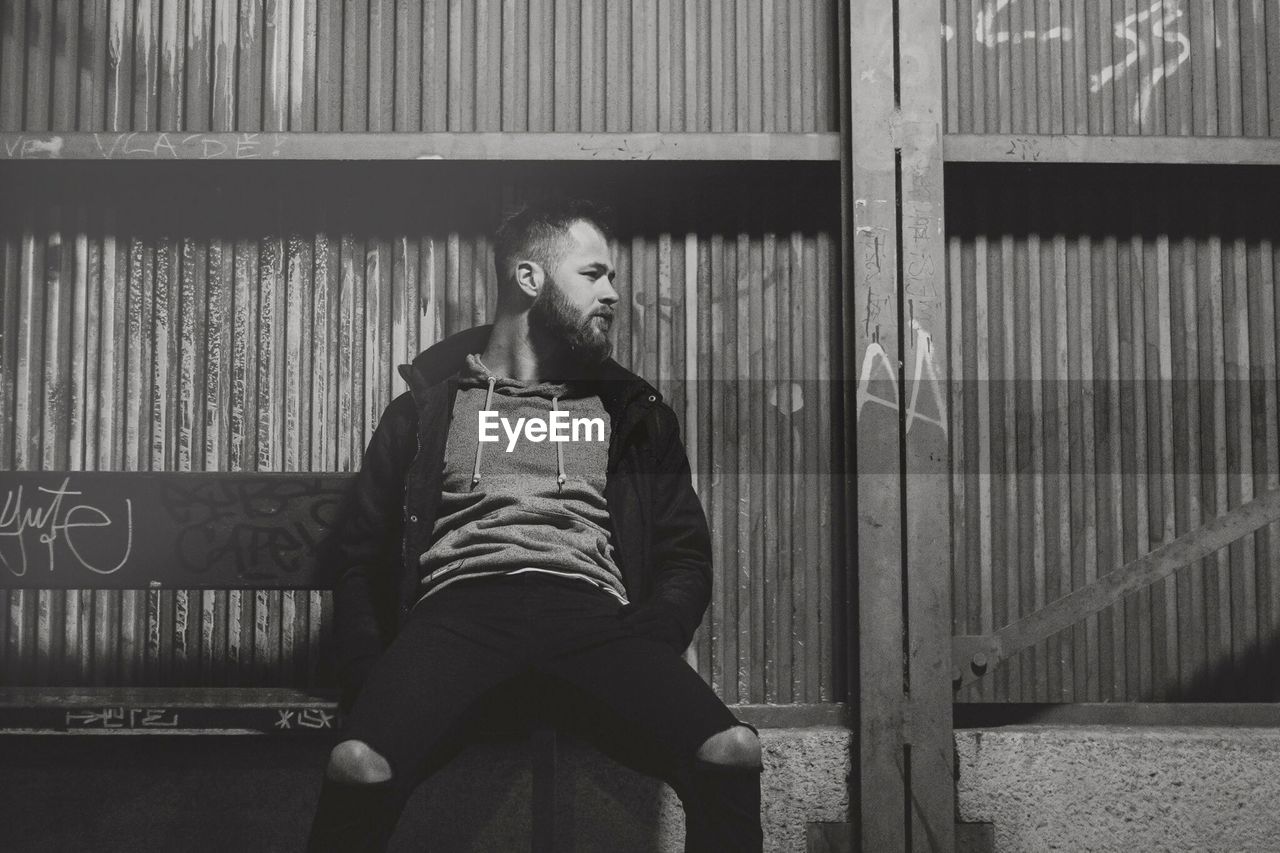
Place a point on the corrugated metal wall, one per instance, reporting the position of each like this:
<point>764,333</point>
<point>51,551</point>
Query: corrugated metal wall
<point>1163,67</point>
<point>409,65</point>
<point>250,317</point>
<point>212,325</point>
<point>1116,330</point>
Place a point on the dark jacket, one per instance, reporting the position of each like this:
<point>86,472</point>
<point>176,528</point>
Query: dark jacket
<point>659,529</point>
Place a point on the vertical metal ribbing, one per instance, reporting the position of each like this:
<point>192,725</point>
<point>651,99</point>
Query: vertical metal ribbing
<point>1157,351</point>
<point>514,65</point>
<point>155,335</point>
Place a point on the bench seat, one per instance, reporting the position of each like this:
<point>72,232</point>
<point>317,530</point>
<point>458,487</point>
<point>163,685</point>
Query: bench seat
<point>522,787</point>
<point>258,791</point>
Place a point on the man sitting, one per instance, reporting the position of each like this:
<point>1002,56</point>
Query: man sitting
<point>525,512</point>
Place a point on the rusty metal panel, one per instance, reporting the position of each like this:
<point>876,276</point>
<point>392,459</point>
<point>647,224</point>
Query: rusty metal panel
<point>382,65</point>
<point>221,319</point>
<point>1149,67</point>
<point>1116,346</point>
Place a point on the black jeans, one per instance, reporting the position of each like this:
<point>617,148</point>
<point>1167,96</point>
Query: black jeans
<point>556,648</point>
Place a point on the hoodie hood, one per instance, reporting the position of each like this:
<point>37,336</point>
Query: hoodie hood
<point>474,374</point>
<point>615,385</point>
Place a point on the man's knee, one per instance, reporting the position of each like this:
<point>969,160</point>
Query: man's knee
<point>737,746</point>
<point>356,761</point>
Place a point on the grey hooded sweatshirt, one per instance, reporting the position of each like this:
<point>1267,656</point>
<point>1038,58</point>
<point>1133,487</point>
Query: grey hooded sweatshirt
<point>522,502</point>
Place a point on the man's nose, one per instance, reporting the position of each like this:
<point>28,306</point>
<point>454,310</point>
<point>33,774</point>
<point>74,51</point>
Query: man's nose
<point>610,295</point>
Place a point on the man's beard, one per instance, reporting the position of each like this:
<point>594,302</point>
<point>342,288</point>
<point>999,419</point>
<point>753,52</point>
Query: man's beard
<point>561,334</point>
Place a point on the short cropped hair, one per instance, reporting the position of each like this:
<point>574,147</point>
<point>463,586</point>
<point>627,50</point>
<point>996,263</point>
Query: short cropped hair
<point>536,232</point>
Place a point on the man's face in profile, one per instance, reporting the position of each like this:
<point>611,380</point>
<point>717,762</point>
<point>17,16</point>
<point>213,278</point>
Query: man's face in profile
<point>573,312</point>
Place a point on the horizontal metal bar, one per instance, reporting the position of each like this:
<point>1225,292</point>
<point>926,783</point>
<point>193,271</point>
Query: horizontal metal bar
<point>1016,148</point>
<point>988,714</point>
<point>420,146</point>
<point>264,709</point>
<point>974,656</point>
<point>819,147</point>
<point>187,697</point>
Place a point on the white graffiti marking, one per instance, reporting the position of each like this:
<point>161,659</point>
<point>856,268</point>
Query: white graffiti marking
<point>985,32</point>
<point>1159,17</point>
<point>51,522</point>
<point>307,718</point>
<point>876,364</point>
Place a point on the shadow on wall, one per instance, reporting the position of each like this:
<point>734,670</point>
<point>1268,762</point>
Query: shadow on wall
<point>374,199</point>
<point>1253,676</point>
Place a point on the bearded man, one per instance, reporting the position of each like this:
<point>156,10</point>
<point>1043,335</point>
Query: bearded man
<point>489,541</point>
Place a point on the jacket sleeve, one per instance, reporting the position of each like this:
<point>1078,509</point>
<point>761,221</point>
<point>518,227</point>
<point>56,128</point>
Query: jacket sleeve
<point>360,556</point>
<point>681,541</point>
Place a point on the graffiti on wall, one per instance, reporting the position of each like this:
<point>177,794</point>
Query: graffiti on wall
<point>927,379</point>
<point>1138,34</point>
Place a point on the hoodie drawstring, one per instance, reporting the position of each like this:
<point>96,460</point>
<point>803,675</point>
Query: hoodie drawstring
<point>475,472</point>
<point>560,478</point>
<point>488,402</point>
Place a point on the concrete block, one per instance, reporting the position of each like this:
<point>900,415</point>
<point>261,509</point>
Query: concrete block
<point>480,801</point>
<point>258,793</point>
<point>1123,789</point>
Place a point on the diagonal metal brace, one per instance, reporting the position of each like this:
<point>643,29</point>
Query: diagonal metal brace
<point>973,656</point>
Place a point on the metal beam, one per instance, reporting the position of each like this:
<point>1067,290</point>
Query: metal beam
<point>974,656</point>
<point>869,190</point>
<point>732,147</point>
<point>971,715</point>
<point>1035,148</point>
<point>421,146</point>
<point>895,310</point>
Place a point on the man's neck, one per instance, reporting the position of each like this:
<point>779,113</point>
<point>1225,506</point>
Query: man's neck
<point>511,354</point>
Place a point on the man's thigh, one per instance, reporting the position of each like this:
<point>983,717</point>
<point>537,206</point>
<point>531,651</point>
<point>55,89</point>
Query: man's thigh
<point>631,694</point>
<point>457,647</point>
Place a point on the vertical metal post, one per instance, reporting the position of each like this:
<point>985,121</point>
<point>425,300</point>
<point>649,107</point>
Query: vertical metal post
<point>925,310</point>
<point>895,309</point>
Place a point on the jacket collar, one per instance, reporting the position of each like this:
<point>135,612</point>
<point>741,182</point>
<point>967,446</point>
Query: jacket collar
<point>616,386</point>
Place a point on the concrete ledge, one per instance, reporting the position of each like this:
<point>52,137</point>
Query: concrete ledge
<point>218,793</point>
<point>480,801</point>
<point>1124,789</point>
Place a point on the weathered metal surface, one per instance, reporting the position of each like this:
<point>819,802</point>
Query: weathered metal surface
<point>871,324</point>
<point>316,65</point>
<point>250,318</point>
<point>926,307</point>
<point>895,327</point>
<point>263,709</point>
<point>1149,67</point>
<point>1118,347</point>
<point>975,656</point>
<point>159,711</point>
<point>1262,715</point>
<point>283,145</point>
<point>115,530</point>
<point>1032,148</point>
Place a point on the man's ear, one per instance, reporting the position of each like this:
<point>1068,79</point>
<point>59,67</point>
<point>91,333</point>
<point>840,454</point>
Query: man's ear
<point>529,278</point>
